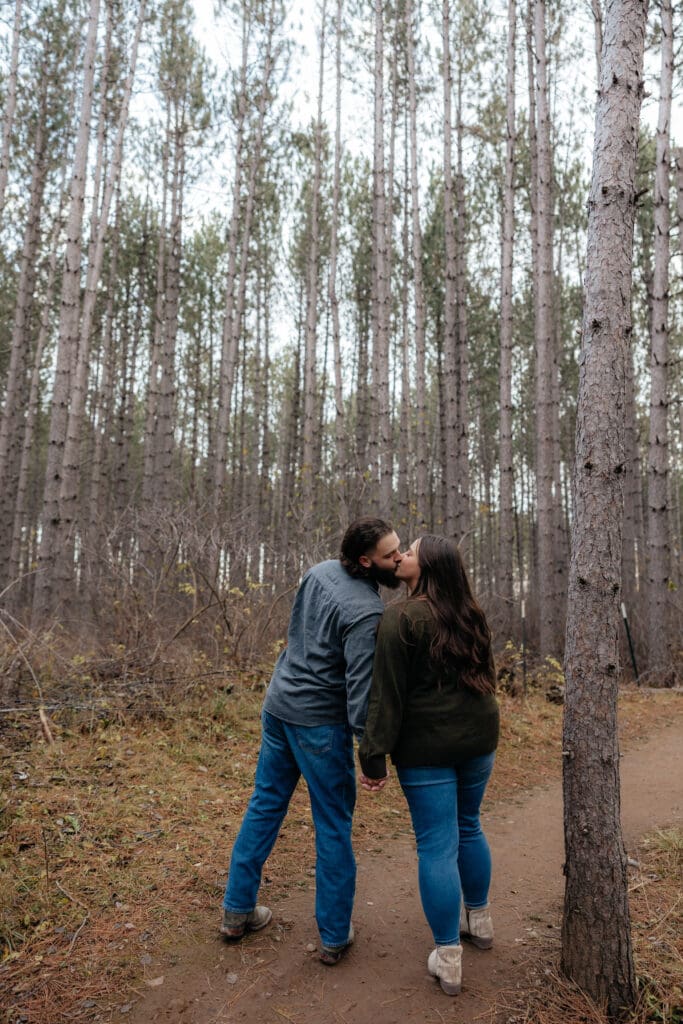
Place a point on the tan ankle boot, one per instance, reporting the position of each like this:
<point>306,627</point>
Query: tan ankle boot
<point>445,963</point>
<point>477,926</point>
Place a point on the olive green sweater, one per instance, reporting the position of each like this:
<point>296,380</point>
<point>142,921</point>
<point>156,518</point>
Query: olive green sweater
<point>420,712</point>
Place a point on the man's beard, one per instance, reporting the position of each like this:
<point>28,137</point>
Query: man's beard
<point>385,577</point>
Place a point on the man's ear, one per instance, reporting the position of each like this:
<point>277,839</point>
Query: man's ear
<point>365,561</point>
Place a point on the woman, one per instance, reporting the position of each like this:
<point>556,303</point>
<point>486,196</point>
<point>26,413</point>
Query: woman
<point>433,708</point>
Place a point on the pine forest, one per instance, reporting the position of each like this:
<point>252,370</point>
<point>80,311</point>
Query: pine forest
<point>268,268</point>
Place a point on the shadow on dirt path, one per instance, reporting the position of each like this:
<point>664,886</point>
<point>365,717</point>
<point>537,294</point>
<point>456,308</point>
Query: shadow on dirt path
<point>275,975</point>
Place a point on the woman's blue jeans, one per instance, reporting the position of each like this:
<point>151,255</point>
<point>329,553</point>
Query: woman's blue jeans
<point>323,754</point>
<point>454,860</point>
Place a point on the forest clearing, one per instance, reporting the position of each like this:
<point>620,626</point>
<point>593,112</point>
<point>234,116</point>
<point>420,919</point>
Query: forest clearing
<point>120,832</point>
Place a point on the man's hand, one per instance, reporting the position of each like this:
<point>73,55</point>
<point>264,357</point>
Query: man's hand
<point>372,785</point>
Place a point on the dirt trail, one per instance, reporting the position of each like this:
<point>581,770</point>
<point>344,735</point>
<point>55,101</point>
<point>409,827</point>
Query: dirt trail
<point>275,976</point>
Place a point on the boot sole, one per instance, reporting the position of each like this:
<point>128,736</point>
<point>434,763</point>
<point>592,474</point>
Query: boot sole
<point>449,988</point>
<point>475,941</point>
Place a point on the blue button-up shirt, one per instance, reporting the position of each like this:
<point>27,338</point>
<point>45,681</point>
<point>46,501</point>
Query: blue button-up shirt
<point>323,676</point>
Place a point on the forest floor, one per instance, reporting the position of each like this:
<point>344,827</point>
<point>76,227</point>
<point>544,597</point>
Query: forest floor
<point>121,874</point>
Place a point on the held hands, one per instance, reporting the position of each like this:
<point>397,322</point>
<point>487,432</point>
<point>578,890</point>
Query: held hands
<point>372,785</point>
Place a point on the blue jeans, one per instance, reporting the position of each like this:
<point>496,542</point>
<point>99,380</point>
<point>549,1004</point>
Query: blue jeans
<point>454,860</point>
<point>323,754</point>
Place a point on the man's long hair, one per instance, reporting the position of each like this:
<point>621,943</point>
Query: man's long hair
<point>361,536</point>
<point>462,638</point>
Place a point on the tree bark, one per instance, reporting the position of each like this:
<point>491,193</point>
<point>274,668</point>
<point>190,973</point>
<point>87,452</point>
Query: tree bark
<point>463,511</point>
<point>228,355</point>
<point>549,628</point>
<point>450,327</point>
<point>380,437</point>
<point>240,231</point>
<point>12,423</point>
<point>71,460</point>
<point>421,426</point>
<point>597,21</point>
<point>507,530</point>
<point>333,297</point>
<point>596,939</point>
<point>678,158</point>
<point>154,369</point>
<point>659,562</point>
<point>46,594</point>
<point>633,542</point>
<point>309,466</point>
<point>20,524</point>
<point>10,105</point>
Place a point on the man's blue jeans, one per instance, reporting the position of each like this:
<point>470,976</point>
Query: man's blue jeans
<point>323,754</point>
<point>454,860</point>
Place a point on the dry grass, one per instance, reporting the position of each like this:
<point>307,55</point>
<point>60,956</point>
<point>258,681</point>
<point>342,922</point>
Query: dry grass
<point>656,896</point>
<point>656,903</point>
<point>114,841</point>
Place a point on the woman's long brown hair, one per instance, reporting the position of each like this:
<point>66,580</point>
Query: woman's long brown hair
<point>462,636</point>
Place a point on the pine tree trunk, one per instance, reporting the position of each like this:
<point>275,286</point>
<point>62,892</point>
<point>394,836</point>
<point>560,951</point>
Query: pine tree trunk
<point>463,471</point>
<point>596,939</point>
<point>406,489</point>
<point>549,631</point>
<point>266,484</point>
<point>339,419</point>
<point>380,438</point>
<point>660,641</point>
<point>240,231</point>
<point>632,546</point>
<point>20,524</point>
<point>46,594</point>
<point>310,466</point>
<point>10,105</point>
<point>507,536</point>
<point>451,388</point>
<point>102,429</point>
<point>166,486</point>
<point>150,443</point>
<point>678,158</point>
<point>597,21</point>
<point>72,460</point>
<point>421,426</point>
<point>12,419</point>
<point>228,354</point>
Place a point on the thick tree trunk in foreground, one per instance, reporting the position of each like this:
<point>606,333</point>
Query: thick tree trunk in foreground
<point>596,939</point>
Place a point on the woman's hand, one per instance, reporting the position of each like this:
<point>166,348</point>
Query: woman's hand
<point>372,785</point>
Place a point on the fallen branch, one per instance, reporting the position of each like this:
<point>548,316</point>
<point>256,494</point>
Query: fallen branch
<point>76,934</point>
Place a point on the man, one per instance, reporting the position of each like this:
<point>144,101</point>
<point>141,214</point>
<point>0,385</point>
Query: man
<point>317,699</point>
